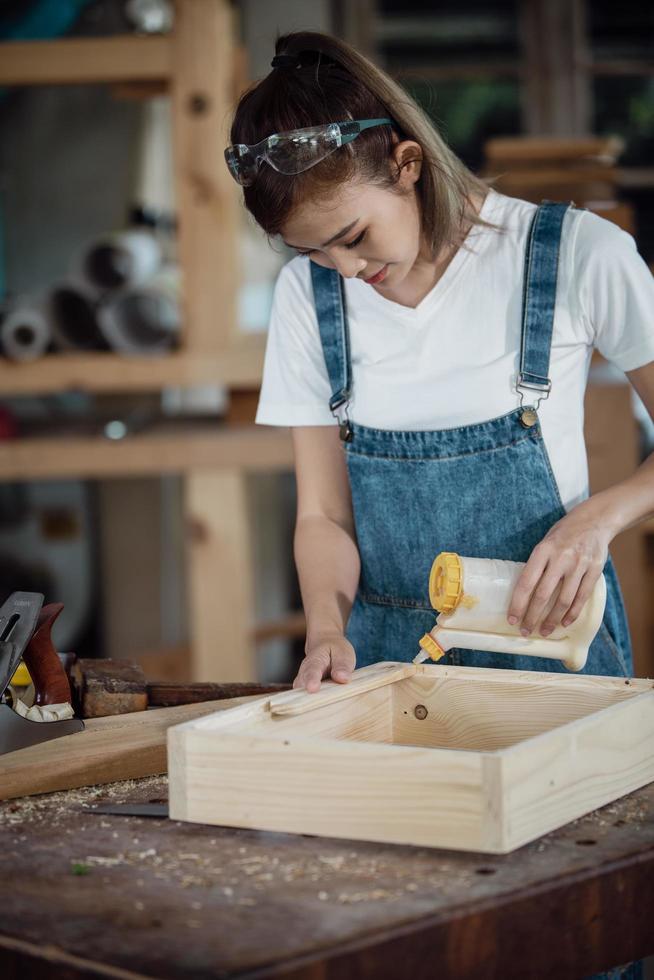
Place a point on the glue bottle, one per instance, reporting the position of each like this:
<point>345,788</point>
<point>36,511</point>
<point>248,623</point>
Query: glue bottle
<point>472,598</point>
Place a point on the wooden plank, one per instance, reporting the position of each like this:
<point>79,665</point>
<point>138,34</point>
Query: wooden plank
<point>485,715</point>
<point>556,777</point>
<point>208,199</point>
<point>540,150</point>
<point>238,366</point>
<point>337,788</point>
<point>220,579</point>
<point>251,448</point>
<point>365,679</point>
<point>119,747</point>
<point>75,61</point>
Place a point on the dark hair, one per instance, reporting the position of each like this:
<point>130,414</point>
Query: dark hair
<point>332,83</point>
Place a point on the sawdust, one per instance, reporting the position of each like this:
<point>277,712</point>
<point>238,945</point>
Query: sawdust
<point>247,869</point>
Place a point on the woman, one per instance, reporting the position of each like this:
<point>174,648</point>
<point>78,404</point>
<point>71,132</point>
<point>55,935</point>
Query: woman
<point>429,348</point>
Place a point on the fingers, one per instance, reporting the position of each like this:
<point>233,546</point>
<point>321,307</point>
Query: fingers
<point>583,595</point>
<point>552,592</point>
<point>525,586</point>
<point>342,664</point>
<point>566,594</point>
<point>336,659</point>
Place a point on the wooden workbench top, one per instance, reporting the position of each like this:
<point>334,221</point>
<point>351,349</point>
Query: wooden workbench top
<point>127,896</point>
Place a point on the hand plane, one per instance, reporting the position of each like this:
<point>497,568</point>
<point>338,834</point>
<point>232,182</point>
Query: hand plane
<point>25,634</point>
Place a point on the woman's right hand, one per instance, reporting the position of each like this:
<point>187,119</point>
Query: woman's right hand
<point>327,655</point>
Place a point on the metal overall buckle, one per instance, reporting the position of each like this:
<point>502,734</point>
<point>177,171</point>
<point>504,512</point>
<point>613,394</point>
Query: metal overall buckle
<point>345,430</point>
<point>529,413</point>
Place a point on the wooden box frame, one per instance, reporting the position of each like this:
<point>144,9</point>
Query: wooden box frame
<point>474,759</point>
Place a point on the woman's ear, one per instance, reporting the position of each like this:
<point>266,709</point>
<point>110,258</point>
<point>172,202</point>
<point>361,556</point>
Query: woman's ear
<point>407,157</point>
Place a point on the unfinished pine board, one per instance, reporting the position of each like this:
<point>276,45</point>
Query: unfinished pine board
<point>208,198</point>
<point>118,747</point>
<point>239,365</point>
<point>74,61</point>
<point>221,586</point>
<point>162,450</point>
<point>466,758</point>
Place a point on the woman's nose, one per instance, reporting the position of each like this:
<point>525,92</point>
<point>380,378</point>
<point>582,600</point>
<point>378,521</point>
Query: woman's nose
<point>348,266</point>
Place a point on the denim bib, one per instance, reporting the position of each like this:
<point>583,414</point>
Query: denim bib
<point>485,490</point>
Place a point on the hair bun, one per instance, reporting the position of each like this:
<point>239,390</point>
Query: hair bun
<point>285,61</point>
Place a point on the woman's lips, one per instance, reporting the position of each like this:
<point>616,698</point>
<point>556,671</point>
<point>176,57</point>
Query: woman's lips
<point>378,277</point>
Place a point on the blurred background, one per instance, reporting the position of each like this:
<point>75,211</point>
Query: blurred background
<point>135,292</point>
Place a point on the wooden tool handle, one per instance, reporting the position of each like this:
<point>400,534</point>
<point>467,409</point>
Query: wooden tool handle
<point>46,670</point>
<point>166,694</point>
<point>364,679</point>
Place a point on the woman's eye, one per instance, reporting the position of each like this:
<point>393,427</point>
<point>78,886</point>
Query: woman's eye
<point>356,241</point>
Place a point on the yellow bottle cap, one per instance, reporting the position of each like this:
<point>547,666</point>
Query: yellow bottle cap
<point>430,646</point>
<point>21,676</point>
<point>446,582</point>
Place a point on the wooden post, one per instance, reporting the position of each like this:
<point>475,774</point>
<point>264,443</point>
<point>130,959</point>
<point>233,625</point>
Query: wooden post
<point>556,98</point>
<point>220,585</point>
<point>207,196</point>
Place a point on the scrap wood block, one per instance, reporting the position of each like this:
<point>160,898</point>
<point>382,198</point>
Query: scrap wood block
<point>108,687</point>
<point>467,758</point>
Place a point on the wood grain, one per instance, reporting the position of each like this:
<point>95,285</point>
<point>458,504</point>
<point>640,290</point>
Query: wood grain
<point>208,198</point>
<point>466,758</point>
<point>365,679</point>
<point>109,749</point>
<point>74,61</point>
<point>221,586</point>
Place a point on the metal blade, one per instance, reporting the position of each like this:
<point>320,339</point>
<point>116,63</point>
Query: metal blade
<point>17,732</point>
<point>131,809</point>
<point>18,618</point>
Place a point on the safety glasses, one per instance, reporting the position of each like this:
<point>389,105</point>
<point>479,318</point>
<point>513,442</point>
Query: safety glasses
<point>296,150</point>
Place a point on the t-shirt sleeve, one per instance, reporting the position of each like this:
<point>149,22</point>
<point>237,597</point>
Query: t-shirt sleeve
<point>295,389</point>
<point>615,292</point>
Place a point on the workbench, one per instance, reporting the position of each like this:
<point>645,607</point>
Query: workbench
<point>90,895</point>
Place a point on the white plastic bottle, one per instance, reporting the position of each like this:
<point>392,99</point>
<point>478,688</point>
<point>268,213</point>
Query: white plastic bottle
<point>472,596</point>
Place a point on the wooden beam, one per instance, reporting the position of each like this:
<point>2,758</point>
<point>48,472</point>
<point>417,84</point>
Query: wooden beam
<point>74,61</point>
<point>220,581</point>
<point>556,93</point>
<point>251,448</point>
<point>208,199</point>
<point>239,366</point>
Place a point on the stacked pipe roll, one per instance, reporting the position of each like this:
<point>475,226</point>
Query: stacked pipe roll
<point>25,331</point>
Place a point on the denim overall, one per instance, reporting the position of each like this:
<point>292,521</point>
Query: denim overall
<point>485,490</point>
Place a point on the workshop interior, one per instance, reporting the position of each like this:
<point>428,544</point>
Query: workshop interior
<point>175,802</point>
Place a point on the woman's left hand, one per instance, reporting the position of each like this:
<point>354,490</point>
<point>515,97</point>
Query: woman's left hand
<point>564,567</point>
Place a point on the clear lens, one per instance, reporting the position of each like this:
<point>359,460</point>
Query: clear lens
<point>242,163</point>
<point>297,150</point>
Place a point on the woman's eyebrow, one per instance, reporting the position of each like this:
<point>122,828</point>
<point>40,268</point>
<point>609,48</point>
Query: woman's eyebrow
<point>341,233</point>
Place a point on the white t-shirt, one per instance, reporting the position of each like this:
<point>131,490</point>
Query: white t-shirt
<point>453,360</point>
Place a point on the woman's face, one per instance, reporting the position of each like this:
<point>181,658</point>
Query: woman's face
<point>364,231</point>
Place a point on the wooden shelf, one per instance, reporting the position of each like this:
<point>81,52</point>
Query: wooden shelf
<point>238,366</point>
<point>76,61</point>
<point>165,450</point>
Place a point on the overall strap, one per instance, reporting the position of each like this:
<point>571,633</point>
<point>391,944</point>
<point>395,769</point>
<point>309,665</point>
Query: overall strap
<point>538,302</point>
<point>329,298</point>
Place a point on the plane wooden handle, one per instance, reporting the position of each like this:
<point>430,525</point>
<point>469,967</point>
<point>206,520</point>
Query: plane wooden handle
<point>46,670</point>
